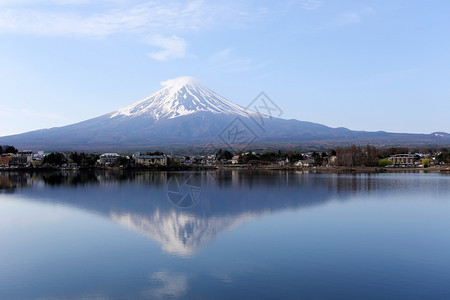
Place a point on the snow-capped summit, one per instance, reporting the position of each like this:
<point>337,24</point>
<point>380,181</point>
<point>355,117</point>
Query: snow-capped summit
<point>183,81</point>
<point>180,97</point>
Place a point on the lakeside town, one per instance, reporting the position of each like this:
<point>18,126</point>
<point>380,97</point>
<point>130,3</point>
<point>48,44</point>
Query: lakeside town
<point>343,157</point>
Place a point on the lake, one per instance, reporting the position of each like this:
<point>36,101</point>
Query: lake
<point>224,235</point>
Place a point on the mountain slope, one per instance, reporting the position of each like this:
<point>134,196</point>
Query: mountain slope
<point>181,97</point>
<point>185,113</point>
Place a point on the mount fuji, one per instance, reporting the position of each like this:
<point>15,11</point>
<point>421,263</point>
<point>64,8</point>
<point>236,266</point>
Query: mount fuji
<point>186,114</point>
<point>181,97</point>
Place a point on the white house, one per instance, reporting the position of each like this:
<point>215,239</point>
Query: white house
<point>403,159</point>
<point>108,158</point>
<point>22,158</point>
<point>150,160</point>
<point>301,163</point>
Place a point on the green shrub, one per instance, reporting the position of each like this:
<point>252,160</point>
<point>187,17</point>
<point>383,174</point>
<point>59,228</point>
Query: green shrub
<point>385,162</point>
<point>426,162</point>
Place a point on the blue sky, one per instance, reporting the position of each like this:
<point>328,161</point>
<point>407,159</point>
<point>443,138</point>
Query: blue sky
<point>364,65</point>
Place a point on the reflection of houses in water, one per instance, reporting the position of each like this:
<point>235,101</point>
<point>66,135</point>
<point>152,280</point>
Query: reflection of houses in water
<point>352,182</point>
<point>155,177</point>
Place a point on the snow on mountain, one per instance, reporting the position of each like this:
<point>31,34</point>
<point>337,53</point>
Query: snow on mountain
<point>180,97</point>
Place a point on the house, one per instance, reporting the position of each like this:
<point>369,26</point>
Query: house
<point>211,160</point>
<point>185,160</point>
<point>309,160</point>
<point>38,158</point>
<point>26,153</point>
<point>332,160</point>
<point>22,158</point>
<point>235,159</point>
<point>108,158</point>
<point>284,162</point>
<point>150,160</point>
<point>301,163</point>
<point>18,161</point>
<point>403,159</point>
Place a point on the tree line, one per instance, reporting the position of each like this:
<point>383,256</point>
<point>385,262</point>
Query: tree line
<point>7,149</point>
<point>81,159</point>
<point>350,156</point>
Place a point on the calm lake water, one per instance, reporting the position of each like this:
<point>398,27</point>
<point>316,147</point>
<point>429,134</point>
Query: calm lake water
<point>224,235</point>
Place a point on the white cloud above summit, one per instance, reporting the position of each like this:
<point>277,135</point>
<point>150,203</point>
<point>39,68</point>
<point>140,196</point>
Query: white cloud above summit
<point>172,47</point>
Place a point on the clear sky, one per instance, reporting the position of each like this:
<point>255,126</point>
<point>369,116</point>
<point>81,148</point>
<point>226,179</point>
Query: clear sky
<point>364,65</point>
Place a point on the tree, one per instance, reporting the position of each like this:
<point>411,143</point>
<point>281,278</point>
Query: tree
<point>89,160</point>
<point>349,156</point>
<point>83,159</point>
<point>426,162</point>
<point>228,155</point>
<point>268,156</point>
<point>295,156</point>
<point>224,155</point>
<point>9,149</point>
<point>35,163</point>
<point>444,156</point>
<point>55,158</point>
<point>219,154</point>
<point>318,159</point>
<point>122,161</point>
<point>249,157</point>
<point>157,152</point>
<point>385,162</point>
<point>371,155</point>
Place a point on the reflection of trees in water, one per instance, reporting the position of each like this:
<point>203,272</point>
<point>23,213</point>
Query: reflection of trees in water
<point>6,186</point>
<point>9,181</point>
<point>221,179</point>
<point>75,179</point>
<point>12,180</point>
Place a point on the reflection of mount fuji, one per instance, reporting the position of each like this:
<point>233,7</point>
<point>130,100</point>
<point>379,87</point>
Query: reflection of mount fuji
<point>139,201</point>
<point>179,232</point>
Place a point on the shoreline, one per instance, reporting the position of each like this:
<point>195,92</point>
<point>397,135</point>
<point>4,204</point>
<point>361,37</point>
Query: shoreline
<point>334,169</point>
<point>338,170</point>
